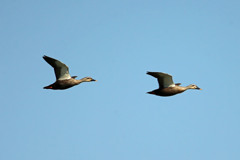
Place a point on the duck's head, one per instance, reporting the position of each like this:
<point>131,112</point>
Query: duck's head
<point>193,86</point>
<point>88,79</point>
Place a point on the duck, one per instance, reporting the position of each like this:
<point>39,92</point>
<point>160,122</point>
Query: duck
<point>63,78</point>
<point>166,85</point>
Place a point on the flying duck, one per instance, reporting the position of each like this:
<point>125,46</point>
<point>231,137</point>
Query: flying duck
<point>166,85</point>
<point>63,78</point>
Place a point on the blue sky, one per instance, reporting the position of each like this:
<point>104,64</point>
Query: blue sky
<point>116,42</point>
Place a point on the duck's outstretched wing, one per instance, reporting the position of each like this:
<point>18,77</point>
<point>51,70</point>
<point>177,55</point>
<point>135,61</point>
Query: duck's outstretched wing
<point>164,79</point>
<point>60,69</point>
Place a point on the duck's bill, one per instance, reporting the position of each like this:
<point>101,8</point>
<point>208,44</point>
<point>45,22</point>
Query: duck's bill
<point>93,80</point>
<point>199,88</point>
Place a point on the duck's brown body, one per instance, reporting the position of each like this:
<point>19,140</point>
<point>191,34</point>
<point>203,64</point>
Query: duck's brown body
<point>170,91</point>
<point>63,84</point>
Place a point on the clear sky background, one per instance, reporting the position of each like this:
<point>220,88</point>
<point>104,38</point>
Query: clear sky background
<point>116,42</point>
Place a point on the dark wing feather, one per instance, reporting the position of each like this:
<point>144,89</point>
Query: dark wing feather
<point>60,69</point>
<point>164,79</point>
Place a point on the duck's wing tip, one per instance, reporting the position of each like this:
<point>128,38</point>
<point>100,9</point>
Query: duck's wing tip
<point>158,74</point>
